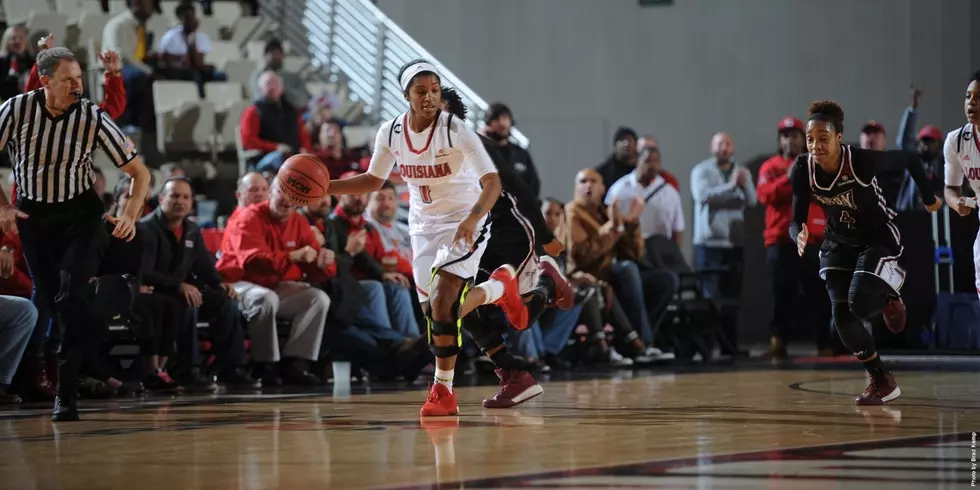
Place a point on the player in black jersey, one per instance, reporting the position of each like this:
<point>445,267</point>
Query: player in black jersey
<point>517,233</point>
<point>859,255</point>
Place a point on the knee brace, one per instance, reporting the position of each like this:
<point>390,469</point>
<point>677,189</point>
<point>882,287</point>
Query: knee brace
<point>865,300</point>
<point>444,329</point>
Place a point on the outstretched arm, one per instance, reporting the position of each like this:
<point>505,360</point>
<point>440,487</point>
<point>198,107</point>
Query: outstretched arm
<point>799,179</point>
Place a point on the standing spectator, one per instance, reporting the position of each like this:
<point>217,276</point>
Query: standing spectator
<point>17,319</point>
<point>272,126</point>
<point>183,49</point>
<point>16,61</point>
<point>176,264</point>
<point>272,259</point>
<point>295,93</point>
<point>928,144</point>
<point>721,189</point>
<point>787,271</point>
<point>499,120</point>
<point>623,159</point>
<point>663,214</point>
<point>126,34</point>
<point>872,136</point>
<point>649,141</point>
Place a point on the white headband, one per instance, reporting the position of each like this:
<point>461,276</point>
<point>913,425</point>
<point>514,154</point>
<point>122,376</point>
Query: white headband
<point>415,69</point>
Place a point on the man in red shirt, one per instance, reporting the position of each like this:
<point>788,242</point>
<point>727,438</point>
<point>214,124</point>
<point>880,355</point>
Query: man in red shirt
<point>272,126</point>
<point>271,257</point>
<point>787,269</point>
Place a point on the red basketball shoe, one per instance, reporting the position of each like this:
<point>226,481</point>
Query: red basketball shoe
<point>441,402</point>
<point>511,302</point>
<point>564,294</point>
<point>516,387</point>
<point>881,389</point>
<point>894,314</point>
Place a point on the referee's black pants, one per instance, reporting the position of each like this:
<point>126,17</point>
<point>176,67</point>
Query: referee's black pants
<point>62,244</point>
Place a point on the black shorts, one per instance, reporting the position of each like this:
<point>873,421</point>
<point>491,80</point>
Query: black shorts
<point>508,246</point>
<point>876,260</point>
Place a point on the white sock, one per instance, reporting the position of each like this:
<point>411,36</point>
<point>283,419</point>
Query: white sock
<point>445,378</point>
<point>493,288</point>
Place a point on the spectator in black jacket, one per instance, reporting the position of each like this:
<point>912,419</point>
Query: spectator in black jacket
<point>176,263</point>
<point>499,120</point>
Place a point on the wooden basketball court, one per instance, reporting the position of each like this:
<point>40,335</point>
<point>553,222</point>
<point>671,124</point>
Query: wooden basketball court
<point>731,429</point>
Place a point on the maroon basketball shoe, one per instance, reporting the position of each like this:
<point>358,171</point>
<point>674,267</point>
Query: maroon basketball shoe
<point>894,314</point>
<point>516,387</point>
<point>511,302</point>
<point>564,294</point>
<point>881,389</point>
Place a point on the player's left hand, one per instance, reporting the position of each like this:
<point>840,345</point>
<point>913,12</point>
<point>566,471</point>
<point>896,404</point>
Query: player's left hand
<point>553,248</point>
<point>466,232</point>
<point>935,205</point>
<point>125,227</point>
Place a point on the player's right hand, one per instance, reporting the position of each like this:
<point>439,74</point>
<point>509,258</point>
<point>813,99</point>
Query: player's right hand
<point>8,218</point>
<point>962,206</point>
<point>936,205</point>
<point>801,239</point>
<point>303,255</point>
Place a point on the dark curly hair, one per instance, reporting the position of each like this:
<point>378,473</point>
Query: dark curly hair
<point>454,103</point>
<point>827,111</point>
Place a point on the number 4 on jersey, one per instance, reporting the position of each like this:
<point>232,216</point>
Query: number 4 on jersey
<point>426,194</point>
<point>847,219</point>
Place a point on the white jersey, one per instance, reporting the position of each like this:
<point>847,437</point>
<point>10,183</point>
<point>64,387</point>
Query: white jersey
<point>962,152</point>
<point>442,167</point>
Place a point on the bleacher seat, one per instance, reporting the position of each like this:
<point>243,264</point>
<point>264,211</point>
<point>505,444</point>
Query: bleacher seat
<point>245,28</point>
<point>18,11</point>
<point>222,52</point>
<point>48,23</point>
<point>71,9</point>
<point>184,122</point>
<point>241,71</point>
<point>223,94</point>
<point>226,122</point>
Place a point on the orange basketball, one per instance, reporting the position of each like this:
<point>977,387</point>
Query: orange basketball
<point>303,179</point>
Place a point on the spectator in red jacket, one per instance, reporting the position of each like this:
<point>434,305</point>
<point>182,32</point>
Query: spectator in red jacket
<point>272,126</point>
<point>787,269</point>
<point>273,260</point>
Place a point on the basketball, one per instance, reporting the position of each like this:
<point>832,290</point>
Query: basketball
<point>303,179</point>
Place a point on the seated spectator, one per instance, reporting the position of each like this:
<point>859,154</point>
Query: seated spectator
<point>330,146</point>
<point>599,305</point>
<point>363,243</point>
<point>273,126</point>
<point>176,264</point>
<point>16,61</point>
<point>663,214</point>
<point>271,258</point>
<point>126,35</point>
<point>253,188</point>
<point>183,49</point>
<point>294,91</point>
<point>607,244</point>
<point>382,210</point>
<point>17,320</point>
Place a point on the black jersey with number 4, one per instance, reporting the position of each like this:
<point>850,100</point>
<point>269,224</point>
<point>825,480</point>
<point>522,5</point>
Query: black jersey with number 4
<point>857,213</point>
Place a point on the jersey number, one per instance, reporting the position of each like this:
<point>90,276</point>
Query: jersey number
<point>847,219</point>
<point>426,194</point>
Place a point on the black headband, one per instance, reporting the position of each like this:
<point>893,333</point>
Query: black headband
<point>827,118</point>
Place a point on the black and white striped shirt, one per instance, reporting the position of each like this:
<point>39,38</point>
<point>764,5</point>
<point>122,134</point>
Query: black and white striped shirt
<point>52,156</point>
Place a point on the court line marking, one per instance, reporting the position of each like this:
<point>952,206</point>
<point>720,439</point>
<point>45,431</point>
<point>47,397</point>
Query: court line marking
<point>660,467</point>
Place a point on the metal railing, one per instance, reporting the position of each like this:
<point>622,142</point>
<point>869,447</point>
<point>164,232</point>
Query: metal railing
<point>353,42</point>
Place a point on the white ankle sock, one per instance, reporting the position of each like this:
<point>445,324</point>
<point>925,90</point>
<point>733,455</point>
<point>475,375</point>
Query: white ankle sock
<point>494,290</point>
<point>445,378</point>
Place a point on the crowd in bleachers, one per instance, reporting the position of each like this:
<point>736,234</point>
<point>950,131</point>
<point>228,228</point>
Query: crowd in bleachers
<point>270,294</point>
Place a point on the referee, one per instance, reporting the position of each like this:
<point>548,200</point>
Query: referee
<point>50,134</point>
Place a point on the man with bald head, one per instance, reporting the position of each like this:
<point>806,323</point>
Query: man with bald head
<point>605,241</point>
<point>721,189</point>
<point>273,126</point>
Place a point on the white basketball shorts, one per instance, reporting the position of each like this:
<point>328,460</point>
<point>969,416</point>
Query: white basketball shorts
<point>434,249</point>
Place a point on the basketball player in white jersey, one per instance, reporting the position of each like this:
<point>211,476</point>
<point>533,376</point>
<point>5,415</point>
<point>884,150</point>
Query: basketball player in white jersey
<point>453,184</point>
<point>962,150</point>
